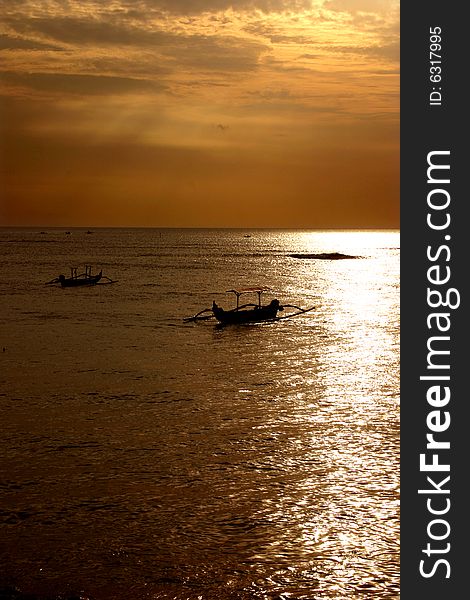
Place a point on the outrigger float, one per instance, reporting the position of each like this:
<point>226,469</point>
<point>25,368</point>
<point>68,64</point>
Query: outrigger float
<point>81,279</point>
<point>250,312</point>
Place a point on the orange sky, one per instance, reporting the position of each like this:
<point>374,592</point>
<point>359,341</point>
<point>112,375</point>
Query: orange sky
<point>204,113</point>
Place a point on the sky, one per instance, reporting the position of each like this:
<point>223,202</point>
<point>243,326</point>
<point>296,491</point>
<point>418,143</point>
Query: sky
<point>199,113</point>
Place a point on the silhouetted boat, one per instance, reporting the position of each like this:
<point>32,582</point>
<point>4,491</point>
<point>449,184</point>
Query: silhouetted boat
<point>82,279</point>
<point>247,313</point>
<point>76,280</point>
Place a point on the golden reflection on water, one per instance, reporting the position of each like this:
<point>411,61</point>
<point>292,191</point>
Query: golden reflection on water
<point>344,500</point>
<point>263,460</point>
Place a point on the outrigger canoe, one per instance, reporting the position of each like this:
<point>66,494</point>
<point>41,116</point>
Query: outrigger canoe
<point>248,313</point>
<point>81,279</point>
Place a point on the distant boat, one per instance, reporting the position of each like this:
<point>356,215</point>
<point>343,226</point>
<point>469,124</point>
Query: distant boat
<point>67,233</point>
<point>81,279</point>
<point>248,313</point>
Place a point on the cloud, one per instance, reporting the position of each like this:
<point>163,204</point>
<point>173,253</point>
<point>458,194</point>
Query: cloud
<point>87,31</point>
<point>8,42</point>
<point>355,6</point>
<point>141,8</point>
<point>223,53</point>
<point>275,35</point>
<point>182,7</point>
<point>389,51</point>
<point>79,84</point>
<point>141,67</point>
<point>208,53</point>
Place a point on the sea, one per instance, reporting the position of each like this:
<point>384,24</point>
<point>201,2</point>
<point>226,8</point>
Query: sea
<point>144,456</point>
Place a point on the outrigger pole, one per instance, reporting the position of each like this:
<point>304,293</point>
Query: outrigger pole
<point>199,316</point>
<point>300,311</point>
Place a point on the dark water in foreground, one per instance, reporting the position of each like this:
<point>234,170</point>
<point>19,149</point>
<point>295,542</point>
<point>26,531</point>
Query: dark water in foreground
<point>143,457</point>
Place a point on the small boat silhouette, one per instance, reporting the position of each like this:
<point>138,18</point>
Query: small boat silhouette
<point>248,313</point>
<point>82,279</point>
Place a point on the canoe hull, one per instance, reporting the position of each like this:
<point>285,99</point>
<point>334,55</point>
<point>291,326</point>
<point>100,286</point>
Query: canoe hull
<point>254,315</point>
<point>79,281</point>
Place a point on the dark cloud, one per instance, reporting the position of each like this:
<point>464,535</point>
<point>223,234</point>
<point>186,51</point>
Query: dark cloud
<point>87,31</point>
<point>182,7</point>
<point>192,51</point>
<point>389,51</point>
<point>211,54</point>
<point>8,42</point>
<point>285,67</point>
<point>78,84</point>
<point>141,68</point>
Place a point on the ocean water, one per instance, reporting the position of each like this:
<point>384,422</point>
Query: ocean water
<point>143,457</point>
